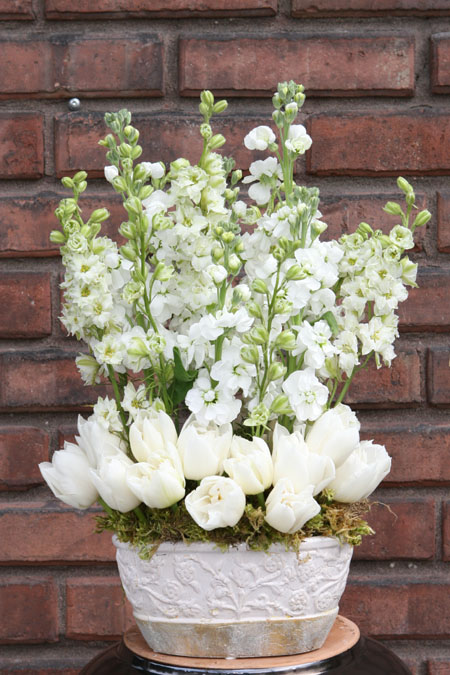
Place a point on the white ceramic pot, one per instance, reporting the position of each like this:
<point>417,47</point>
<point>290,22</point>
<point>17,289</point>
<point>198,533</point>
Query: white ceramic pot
<point>198,600</point>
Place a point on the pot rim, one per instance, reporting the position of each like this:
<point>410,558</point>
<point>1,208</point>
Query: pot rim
<point>308,544</point>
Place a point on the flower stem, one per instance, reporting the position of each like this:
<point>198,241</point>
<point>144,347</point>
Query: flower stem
<point>105,506</point>
<point>140,515</point>
<point>261,500</point>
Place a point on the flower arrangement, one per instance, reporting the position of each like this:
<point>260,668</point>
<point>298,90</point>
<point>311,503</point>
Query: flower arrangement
<point>230,334</point>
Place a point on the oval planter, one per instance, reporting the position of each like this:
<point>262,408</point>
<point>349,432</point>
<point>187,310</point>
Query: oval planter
<point>198,600</point>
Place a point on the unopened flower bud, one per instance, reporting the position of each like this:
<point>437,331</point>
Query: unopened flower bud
<point>67,182</point>
<point>216,141</point>
<point>250,354</point>
<point>163,272</point>
<point>228,237</point>
<point>205,130</point>
<point>286,340</point>
<point>254,310</point>
<point>57,237</point>
<point>119,184</point>
<point>220,106</point>
<point>128,252</point>
<point>276,370</point>
<point>259,335</point>
<point>207,97</point>
<point>217,253</point>
<point>422,218</point>
<point>259,286</point>
<point>393,208</point>
<point>280,405</point>
<point>278,118</point>
<point>234,263</point>
<point>99,215</point>
<point>404,185</point>
<point>295,273</point>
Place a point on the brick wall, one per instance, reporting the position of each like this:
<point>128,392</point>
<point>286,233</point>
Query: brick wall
<point>377,75</point>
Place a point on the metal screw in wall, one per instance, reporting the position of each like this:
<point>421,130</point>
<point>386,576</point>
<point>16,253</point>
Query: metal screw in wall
<point>74,104</point>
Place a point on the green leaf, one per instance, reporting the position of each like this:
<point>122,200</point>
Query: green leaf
<point>178,390</point>
<point>180,372</point>
<point>331,321</point>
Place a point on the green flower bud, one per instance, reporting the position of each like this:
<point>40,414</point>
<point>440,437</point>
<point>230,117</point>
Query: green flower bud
<point>259,335</point>
<point>254,310</point>
<point>276,370</point>
<point>234,264</point>
<point>136,152</point>
<point>207,97</point>
<point>278,118</point>
<point>295,273</point>
<point>133,205</point>
<point>119,184</point>
<point>205,130</point>
<point>258,417</point>
<point>228,237</point>
<point>180,163</point>
<point>217,253</point>
<point>409,272</point>
<point>280,405</point>
<point>128,252</point>
<point>216,141</point>
<point>276,101</point>
<point>286,340</point>
<point>393,208</point>
<point>138,348</point>
<point>204,110</point>
<point>291,111</point>
<point>239,247</point>
<point>57,237</point>
<point>67,182</point>
<point>163,272</point>
<point>127,230</point>
<point>422,218</point>
<point>125,150</point>
<point>236,176</point>
<point>250,354</point>
<point>131,133</point>
<point>259,286</point>
<point>79,176</point>
<point>404,185</point>
<point>385,241</point>
<point>220,106</point>
<point>99,215</point>
<point>145,191</point>
<point>282,306</point>
<point>410,198</point>
<point>364,230</point>
<point>229,194</point>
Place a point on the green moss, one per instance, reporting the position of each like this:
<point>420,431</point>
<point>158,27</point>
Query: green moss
<point>344,521</point>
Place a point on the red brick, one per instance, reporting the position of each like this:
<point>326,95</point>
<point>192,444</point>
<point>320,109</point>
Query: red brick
<point>404,531</point>
<point>439,375</point>
<point>443,218</point>
<point>20,240</point>
<point>97,609</point>
<point>371,145</point>
<point>94,66</point>
<point>16,10</point>
<point>400,384</point>
<point>335,8</point>
<point>343,214</point>
<point>397,610</point>
<point>418,450</point>
<point>163,138</point>
<point>21,449</point>
<point>440,63</point>
<point>137,9</point>
<point>26,222</point>
<point>361,65</point>
<point>37,670</point>
<point>32,535</point>
<point>124,67</point>
<point>28,298</point>
<point>446,531</point>
<point>438,667</point>
<point>45,380</point>
<point>427,307</point>
<point>21,145</point>
<point>23,600</point>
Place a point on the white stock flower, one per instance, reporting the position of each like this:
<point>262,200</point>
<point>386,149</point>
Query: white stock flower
<point>298,140</point>
<point>211,403</point>
<point>259,138</point>
<point>111,172</point>
<point>217,502</point>
<point>287,510</point>
<point>203,448</point>
<point>292,459</point>
<point>334,434</point>
<point>232,372</point>
<point>107,414</point>
<point>67,476</point>
<point>154,169</point>
<point>134,400</point>
<point>266,172</point>
<point>250,464</point>
<point>307,396</point>
<point>361,473</point>
<point>110,480</point>
<point>157,483</point>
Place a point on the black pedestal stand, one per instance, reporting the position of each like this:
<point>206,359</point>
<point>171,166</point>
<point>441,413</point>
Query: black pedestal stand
<point>345,652</point>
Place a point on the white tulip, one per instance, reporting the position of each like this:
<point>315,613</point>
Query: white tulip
<point>67,476</point>
<point>217,502</point>
<point>335,434</point>
<point>96,441</point>
<point>157,483</point>
<point>292,459</point>
<point>151,434</point>
<point>250,464</point>
<point>110,481</point>
<point>361,473</point>
<point>203,448</point>
<point>288,510</point>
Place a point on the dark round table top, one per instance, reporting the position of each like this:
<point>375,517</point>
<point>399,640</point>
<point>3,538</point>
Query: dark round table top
<point>345,652</point>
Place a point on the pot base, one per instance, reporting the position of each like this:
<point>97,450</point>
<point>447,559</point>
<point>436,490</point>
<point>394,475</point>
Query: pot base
<point>243,639</point>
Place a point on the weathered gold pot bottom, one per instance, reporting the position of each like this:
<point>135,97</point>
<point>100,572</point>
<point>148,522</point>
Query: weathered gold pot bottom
<point>241,639</point>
